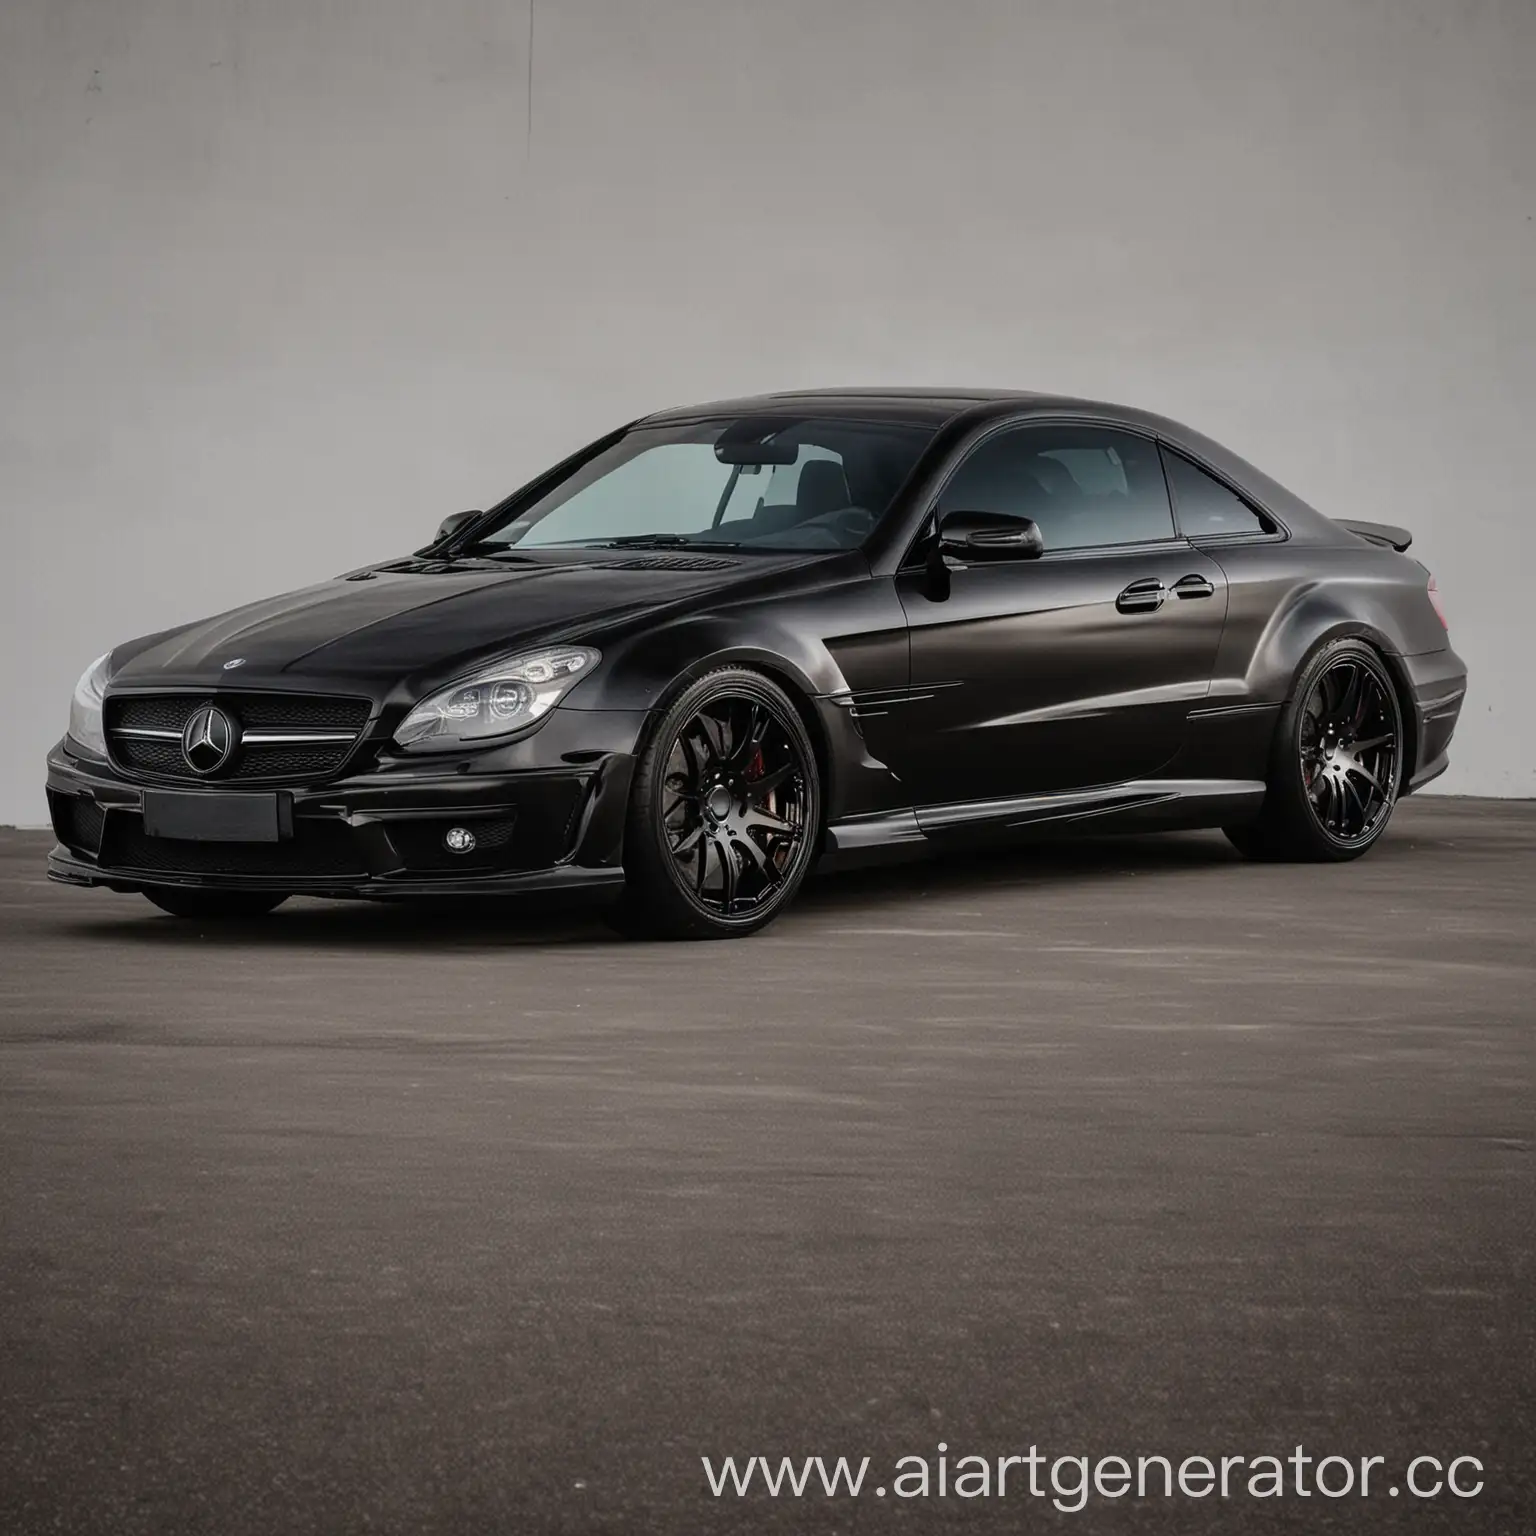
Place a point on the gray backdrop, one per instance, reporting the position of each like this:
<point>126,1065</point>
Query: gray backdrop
<point>282,282</point>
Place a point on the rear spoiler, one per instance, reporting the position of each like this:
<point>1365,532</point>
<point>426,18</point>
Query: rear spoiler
<point>1379,533</point>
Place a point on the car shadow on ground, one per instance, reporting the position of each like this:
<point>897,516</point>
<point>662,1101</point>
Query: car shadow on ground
<point>495,922</point>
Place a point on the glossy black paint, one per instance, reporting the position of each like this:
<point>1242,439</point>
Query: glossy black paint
<point>947,698</point>
<point>1028,677</point>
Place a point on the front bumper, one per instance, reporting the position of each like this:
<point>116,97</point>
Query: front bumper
<point>557,827</point>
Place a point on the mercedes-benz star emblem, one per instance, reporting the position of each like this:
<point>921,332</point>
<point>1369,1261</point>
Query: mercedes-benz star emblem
<point>208,739</point>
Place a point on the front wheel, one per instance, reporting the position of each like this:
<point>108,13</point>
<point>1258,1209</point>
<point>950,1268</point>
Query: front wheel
<point>183,901</point>
<point>724,812</point>
<point>1337,761</point>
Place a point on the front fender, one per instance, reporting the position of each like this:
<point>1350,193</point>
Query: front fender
<point>816,646</point>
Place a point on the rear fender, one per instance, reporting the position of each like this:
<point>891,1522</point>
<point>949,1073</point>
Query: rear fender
<point>1318,617</point>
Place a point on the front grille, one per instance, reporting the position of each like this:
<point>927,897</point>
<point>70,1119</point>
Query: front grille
<point>76,821</point>
<point>157,757</point>
<point>289,711</point>
<point>317,850</point>
<point>265,711</point>
<point>158,712</point>
<point>160,756</point>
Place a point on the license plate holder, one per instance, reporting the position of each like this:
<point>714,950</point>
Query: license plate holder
<point>191,817</point>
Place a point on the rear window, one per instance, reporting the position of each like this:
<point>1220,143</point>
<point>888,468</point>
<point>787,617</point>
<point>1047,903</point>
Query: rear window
<point>1204,506</point>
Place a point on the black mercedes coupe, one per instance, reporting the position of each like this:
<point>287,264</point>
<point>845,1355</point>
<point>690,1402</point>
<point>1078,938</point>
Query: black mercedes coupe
<point>728,641</point>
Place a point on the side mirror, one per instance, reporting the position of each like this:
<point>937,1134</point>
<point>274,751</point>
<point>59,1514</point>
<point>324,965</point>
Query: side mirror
<point>977,537</point>
<point>990,536</point>
<point>452,523</point>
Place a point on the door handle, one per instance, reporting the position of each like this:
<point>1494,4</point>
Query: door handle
<point>1142,596</point>
<point>1193,586</point>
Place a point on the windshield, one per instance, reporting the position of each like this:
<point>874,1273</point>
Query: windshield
<point>749,482</point>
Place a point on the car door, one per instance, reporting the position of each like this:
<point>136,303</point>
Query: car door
<point>1072,670</point>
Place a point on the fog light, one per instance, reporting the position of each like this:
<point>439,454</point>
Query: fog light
<point>458,840</point>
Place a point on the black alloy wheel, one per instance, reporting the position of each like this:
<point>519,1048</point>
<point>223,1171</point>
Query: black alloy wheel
<point>724,812</point>
<point>1337,764</point>
<point>1348,749</point>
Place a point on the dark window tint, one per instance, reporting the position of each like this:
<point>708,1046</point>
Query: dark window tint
<point>821,482</point>
<point>1205,505</point>
<point>1083,486</point>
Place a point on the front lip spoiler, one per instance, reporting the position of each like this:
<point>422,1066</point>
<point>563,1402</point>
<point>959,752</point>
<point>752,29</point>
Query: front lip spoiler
<point>66,869</point>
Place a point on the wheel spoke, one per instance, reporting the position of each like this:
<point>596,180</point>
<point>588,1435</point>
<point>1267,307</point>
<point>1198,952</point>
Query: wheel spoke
<point>765,865</point>
<point>693,768</point>
<point>1331,809</point>
<point>687,841</point>
<point>766,820</point>
<point>730,870</point>
<point>1370,746</point>
<point>711,745</point>
<point>1349,694</point>
<point>1369,777</point>
<point>758,721</point>
<point>759,789</point>
<point>1355,795</point>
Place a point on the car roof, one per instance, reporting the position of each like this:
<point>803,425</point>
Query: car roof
<point>931,406</point>
<point>877,403</point>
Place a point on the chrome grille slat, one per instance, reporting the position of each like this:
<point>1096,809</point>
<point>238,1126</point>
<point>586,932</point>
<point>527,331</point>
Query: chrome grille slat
<point>293,738</point>
<point>288,737</point>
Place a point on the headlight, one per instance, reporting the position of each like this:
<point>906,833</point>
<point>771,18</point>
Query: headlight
<point>85,708</point>
<point>498,700</point>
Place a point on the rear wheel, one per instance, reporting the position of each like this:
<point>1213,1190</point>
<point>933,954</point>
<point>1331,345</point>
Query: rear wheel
<point>723,814</point>
<point>1335,771</point>
<point>181,901</point>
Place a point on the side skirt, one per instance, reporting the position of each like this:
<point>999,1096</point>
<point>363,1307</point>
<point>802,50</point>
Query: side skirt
<point>1139,805</point>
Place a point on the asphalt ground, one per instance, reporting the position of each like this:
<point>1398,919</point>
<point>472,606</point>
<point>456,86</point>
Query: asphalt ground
<point>480,1220</point>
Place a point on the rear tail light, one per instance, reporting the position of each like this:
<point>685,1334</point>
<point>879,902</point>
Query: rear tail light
<point>1435,603</point>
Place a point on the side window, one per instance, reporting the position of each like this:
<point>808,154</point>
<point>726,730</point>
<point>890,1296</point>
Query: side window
<point>1084,486</point>
<point>1205,505</point>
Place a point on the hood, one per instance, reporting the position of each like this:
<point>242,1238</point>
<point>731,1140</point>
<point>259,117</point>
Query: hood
<point>383,624</point>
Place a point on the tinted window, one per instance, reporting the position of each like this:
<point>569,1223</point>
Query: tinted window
<point>1205,505</point>
<point>1083,486</point>
<point>816,483</point>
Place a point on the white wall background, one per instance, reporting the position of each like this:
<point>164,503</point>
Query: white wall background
<point>283,281</point>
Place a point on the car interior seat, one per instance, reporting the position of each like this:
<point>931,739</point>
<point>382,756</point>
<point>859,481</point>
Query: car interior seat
<point>821,488</point>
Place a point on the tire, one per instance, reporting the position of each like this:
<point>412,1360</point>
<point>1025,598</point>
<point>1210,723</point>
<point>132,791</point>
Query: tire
<point>181,901</point>
<point>724,812</point>
<point>1336,763</point>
